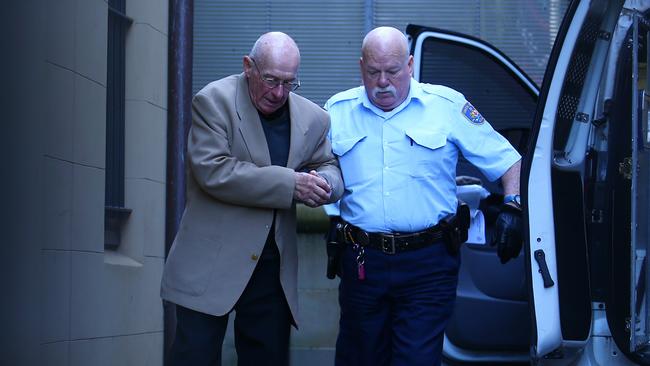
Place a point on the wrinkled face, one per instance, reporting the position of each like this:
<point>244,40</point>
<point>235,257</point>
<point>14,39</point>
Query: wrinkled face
<point>269,82</point>
<point>387,77</point>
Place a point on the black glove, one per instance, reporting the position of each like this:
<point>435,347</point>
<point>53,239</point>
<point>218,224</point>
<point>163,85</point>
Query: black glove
<point>508,232</point>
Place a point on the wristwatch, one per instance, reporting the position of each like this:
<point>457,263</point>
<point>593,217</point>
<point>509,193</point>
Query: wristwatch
<point>512,198</point>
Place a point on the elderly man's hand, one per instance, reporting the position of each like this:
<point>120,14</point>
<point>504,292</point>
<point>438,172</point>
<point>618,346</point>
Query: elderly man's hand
<point>508,232</point>
<point>311,189</point>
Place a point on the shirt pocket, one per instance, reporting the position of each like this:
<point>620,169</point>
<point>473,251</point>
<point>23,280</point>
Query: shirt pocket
<point>429,154</point>
<point>430,140</point>
<point>341,146</point>
<point>349,152</point>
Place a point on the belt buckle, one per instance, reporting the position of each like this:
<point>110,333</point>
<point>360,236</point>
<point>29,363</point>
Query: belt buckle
<point>388,249</point>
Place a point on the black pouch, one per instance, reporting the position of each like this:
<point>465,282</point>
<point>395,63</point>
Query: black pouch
<point>454,228</point>
<point>335,243</point>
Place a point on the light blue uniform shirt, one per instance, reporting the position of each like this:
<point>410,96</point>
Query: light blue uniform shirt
<point>399,167</point>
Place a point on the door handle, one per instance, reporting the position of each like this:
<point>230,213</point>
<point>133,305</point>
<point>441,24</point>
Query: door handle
<point>540,257</point>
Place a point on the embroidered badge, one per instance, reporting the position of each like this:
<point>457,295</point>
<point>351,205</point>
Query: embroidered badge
<point>472,114</point>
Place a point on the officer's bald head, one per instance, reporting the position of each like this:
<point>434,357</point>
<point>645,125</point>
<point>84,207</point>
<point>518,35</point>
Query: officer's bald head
<point>385,40</point>
<point>386,67</point>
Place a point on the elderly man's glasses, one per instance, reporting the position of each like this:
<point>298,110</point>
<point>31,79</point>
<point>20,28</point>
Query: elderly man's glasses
<point>273,83</point>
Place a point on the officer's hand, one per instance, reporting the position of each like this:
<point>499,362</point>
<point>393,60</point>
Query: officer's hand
<point>311,189</point>
<point>508,232</point>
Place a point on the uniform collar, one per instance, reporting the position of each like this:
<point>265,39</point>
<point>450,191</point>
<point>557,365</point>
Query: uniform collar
<point>416,90</point>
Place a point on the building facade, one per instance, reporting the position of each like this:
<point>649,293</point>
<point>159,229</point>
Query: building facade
<point>77,297</point>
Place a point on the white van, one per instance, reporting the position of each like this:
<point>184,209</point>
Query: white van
<point>578,293</point>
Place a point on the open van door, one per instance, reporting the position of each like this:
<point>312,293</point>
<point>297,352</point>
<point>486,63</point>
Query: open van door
<point>628,313</point>
<point>579,294</point>
<point>640,195</point>
<point>591,156</point>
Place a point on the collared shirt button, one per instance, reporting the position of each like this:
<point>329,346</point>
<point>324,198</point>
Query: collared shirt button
<point>267,226</point>
<point>254,257</point>
<point>387,194</point>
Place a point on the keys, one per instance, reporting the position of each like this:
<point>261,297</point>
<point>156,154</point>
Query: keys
<point>361,271</point>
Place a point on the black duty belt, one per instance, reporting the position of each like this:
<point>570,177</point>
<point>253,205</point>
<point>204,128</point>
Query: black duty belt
<point>395,242</point>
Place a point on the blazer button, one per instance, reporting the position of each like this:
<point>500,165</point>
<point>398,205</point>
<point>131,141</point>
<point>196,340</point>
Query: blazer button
<point>254,257</point>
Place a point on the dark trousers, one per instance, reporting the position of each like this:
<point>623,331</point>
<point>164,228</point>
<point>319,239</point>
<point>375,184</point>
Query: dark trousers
<point>397,315</point>
<point>262,324</point>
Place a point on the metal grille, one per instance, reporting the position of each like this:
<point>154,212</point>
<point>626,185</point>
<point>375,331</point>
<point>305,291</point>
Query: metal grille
<point>575,78</point>
<point>523,30</point>
<point>329,34</point>
<point>578,68</point>
<point>568,106</point>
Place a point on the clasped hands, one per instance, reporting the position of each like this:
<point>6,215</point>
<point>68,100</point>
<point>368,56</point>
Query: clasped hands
<point>311,189</point>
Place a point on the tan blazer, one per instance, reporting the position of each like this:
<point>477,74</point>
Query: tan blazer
<point>232,191</point>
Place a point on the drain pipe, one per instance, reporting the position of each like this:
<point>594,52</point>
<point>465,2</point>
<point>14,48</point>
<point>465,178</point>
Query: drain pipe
<point>179,96</point>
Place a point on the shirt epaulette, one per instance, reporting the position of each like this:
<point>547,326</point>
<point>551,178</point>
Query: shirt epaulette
<point>443,92</point>
<point>349,94</point>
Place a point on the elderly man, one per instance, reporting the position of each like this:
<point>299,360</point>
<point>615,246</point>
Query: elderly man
<point>254,150</point>
<point>398,143</point>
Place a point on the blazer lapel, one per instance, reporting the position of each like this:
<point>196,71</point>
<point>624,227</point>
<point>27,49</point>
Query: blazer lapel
<point>250,125</point>
<point>298,132</point>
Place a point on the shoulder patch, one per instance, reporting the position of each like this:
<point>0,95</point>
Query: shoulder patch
<point>472,114</point>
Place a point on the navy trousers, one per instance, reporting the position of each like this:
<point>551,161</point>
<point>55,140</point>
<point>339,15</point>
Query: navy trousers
<point>397,315</point>
<point>262,323</point>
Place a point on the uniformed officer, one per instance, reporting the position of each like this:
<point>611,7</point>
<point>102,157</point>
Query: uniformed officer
<point>398,141</point>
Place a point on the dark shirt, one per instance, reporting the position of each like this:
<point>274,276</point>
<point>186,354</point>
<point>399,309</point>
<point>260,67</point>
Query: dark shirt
<point>277,129</point>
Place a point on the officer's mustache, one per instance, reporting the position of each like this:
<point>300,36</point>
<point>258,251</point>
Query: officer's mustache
<point>389,89</point>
